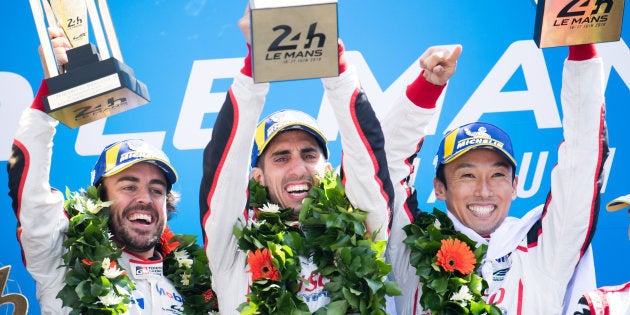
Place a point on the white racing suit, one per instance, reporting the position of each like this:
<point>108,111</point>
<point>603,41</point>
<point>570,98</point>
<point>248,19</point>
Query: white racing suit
<point>224,187</point>
<point>530,261</point>
<point>42,222</point>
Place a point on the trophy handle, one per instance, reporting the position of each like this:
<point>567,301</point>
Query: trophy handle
<point>112,41</point>
<point>104,33</point>
<point>49,62</point>
<point>97,28</point>
<point>109,30</point>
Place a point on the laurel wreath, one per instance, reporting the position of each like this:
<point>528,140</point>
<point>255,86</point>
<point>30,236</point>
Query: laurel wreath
<point>446,290</point>
<point>333,232</point>
<point>94,282</point>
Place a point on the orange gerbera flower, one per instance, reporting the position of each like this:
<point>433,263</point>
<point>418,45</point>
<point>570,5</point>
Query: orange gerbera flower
<point>261,265</point>
<point>167,242</point>
<point>456,255</point>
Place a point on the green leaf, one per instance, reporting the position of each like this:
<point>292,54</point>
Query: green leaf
<point>338,243</point>
<point>392,289</point>
<point>374,285</point>
<point>337,308</point>
<point>476,284</point>
<point>439,284</point>
<point>452,308</point>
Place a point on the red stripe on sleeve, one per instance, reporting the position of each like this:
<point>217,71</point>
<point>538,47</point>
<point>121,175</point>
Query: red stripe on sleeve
<point>370,151</point>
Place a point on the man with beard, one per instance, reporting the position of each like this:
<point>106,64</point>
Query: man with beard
<point>133,174</point>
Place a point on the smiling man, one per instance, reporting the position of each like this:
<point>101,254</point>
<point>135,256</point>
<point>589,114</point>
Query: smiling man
<point>141,190</point>
<point>536,264</point>
<point>478,186</point>
<point>289,151</point>
<point>140,187</point>
<point>133,174</point>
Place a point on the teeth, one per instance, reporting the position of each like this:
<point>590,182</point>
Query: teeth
<point>481,209</point>
<point>297,188</point>
<point>140,216</point>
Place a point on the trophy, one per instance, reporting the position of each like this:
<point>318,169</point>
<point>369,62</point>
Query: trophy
<point>294,39</point>
<point>569,22</point>
<point>92,84</point>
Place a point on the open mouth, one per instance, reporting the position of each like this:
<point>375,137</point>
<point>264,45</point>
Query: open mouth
<point>481,210</point>
<point>141,218</point>
<point>298,191</point>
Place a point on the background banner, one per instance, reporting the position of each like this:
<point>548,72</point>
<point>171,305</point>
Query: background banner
<point>186,52</point>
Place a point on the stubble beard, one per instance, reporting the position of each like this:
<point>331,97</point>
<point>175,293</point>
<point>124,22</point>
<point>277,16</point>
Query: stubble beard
<point>133,240</point>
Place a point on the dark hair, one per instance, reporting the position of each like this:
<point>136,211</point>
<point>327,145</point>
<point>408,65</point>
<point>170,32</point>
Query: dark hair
<point>260,162</point>
<point>439,174</point>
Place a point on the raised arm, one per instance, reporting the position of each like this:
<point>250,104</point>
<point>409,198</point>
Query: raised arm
<point>404,128</point>
<point>364,165</point>
<point>224,186</point>
<point>570,213</point>
<point>38,207</point>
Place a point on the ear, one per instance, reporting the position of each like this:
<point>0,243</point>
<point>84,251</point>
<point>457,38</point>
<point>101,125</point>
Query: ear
<point>440,189</point>
<point>257,175</point>
<point>514,185</point>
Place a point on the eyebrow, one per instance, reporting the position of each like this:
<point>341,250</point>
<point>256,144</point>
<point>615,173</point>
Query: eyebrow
<point>136,180</point>
<point>471,165</point>
<point>302,151</point>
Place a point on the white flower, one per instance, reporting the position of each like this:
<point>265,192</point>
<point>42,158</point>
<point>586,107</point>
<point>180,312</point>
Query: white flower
<point>105,264</point>
<point>110,272</point>
<point>463,294</point>
<point>110,299</point>
<point>437,224</point>
<point>78,205</point>
<point>92,207</point>
<point>185,263</point>
<point>180,254</point>
<point>122,291</point>
<point>270,208</point>
<point>75,195</point>
<point>183,260</point>
<point>185,279</point>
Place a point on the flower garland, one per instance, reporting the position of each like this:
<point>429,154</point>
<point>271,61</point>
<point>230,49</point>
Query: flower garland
<point>445,264</point>
<point>336,237</point>
<point>186,265</point>
<point>94,283</point>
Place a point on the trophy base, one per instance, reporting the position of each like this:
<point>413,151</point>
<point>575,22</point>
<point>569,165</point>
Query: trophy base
<point>96,91</point>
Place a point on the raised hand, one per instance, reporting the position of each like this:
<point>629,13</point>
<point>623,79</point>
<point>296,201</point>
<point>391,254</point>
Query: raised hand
<point>439,63</point>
